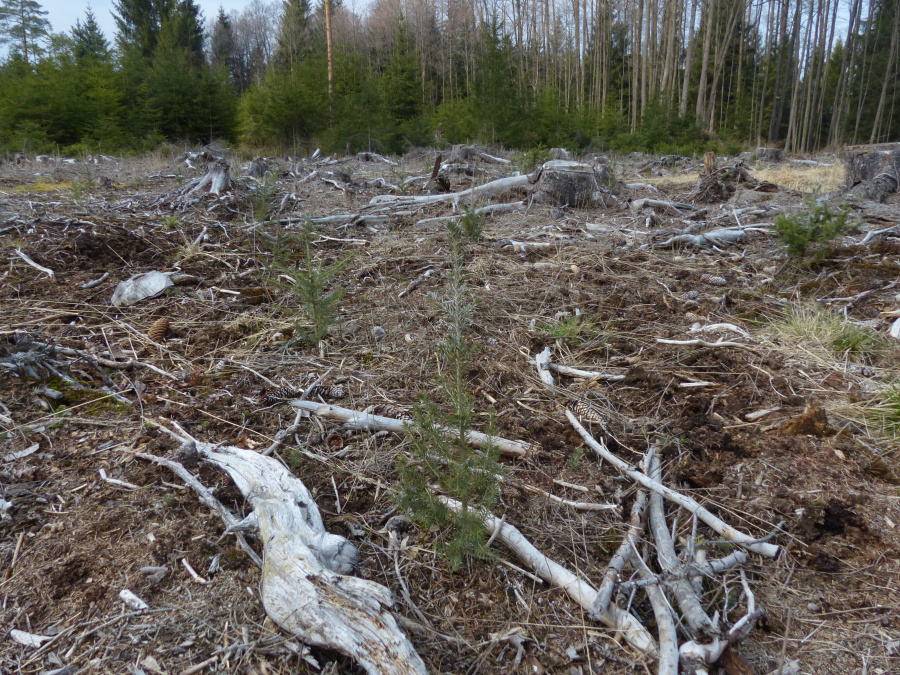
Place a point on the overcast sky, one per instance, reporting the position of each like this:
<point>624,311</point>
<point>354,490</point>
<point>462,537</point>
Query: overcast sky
<point>63,13</point>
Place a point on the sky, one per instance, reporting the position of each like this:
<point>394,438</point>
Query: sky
<point>63,13</point>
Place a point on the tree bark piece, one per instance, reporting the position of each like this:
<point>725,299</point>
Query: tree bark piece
<point>738,537</point>
<point>360,420</point>
<point>305,588</point>
<point>557,575</point>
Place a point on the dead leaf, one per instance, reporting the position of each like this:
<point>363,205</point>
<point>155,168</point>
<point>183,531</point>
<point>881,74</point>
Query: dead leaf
<point>813,422</point>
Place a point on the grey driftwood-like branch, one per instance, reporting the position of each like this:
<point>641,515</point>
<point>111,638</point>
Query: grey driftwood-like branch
<point>724,529</point>
<point>579,590</point>
<point>354,419</point>
<point>306,587</point>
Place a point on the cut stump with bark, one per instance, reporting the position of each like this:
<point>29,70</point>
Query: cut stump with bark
<point>567,183</point>
<point>873,171</point>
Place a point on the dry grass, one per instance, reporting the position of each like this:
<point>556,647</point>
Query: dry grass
<point>826,178</point>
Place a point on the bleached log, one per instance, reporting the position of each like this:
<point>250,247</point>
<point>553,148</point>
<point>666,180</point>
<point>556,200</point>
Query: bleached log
<point>492,189</point>
<point>489,210</point>
<point>722,237</point>
<point>305,587</point>
<point>723,528</point>
<point>557,575</point>
<point>675,208</point>
<point>359,420</point>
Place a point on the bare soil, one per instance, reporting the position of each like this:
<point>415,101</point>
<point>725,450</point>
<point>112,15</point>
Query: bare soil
<point>824,461</point>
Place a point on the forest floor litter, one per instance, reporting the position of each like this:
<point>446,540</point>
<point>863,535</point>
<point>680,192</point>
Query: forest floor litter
<point>768,384</point>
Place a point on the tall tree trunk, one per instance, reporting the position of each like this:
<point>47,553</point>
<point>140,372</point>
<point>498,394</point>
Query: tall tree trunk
<point>849,52</point>
<point>707,41</point>
<point>329,43</point>
<point>688,62</point>
<point>721,52</point>
<point>891,64</point>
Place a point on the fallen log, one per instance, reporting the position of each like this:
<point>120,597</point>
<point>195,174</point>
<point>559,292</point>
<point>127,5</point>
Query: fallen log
<point>305,587</point>
<point>492,189</point>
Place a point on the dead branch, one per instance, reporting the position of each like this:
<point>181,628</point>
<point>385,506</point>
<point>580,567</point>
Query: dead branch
<point>704,343</point>
<point>730,533</point>
<point>690,605</point>
<point>492,189</point>
<point>40,268</point>
<point>589,374</point>
<point>359,420</point>
<point>623,555</point>
<point>557,575</point>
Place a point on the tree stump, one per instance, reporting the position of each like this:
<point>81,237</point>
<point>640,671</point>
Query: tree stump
<point>257,169</point>
<point>217,178</point>
<point>873,171</point>
<point>567,183</point>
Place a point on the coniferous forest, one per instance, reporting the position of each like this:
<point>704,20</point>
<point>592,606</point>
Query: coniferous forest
<point>655,75</point>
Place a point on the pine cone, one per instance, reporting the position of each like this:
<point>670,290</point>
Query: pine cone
<point>282,394</point>
<point>586,413</point>
<point>159,329</point>
<point>713,280</point>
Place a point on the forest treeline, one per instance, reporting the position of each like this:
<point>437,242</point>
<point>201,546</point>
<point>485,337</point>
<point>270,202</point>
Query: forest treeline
<point>665,76</point>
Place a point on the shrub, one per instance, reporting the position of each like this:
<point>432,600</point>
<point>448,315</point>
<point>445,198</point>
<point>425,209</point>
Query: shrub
<point>817,225</point>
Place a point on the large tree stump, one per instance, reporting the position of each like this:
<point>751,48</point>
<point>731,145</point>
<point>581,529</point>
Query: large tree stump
<point>570,184</point>
<point>873,171</point>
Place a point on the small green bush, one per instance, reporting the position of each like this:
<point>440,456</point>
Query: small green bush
<point>817,225</point>
<point>441,453</point>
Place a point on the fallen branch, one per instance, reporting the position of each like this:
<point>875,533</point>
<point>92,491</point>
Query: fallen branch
<point>40,268</point>
<point>557,575</point>
<point>589,374</point>
<point>359,420</point>
<point>621,556</point>
<point>704,343</point>
<point>669,563</point>
<point>730,533</point>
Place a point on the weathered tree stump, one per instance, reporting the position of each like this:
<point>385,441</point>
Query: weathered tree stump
<point>217,178</point>
<point>570,183</point>
<point>257,169</point>
<point>767,155</point>
<point>873,171</point>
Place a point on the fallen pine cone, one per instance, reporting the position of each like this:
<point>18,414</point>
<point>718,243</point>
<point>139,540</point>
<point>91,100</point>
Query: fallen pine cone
<point>713,280</point>
<point>159,329</point>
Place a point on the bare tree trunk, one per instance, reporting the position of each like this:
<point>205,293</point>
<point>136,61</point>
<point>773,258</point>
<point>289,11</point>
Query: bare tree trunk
<point>849,51</point>
<point>688,62</point>
<point>329,42</point>
<point>721,51</point>
<point>707,41</point>
<point>891,63</point>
